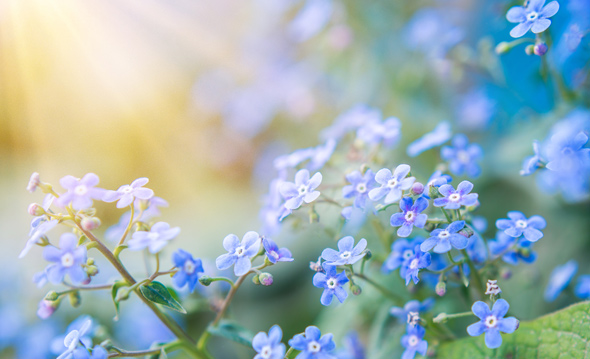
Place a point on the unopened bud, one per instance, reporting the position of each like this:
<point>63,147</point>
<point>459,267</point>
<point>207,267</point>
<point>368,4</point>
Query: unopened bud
<point>256,279</point>
<point>107,344</point>
<point>265,279</point>
<point>492,287</point>
<point>90,261</point>
<point>529,49</point>
<point>35,209</point>
<point>51,296</point>
<point>441,318</point>
<point>34,182</point>
<point>540,49</point>
<point>47,308</point>
<point>90,223</point>
<point>441,289</point>
<point>503,48</point>
<point>92,270</point>
<point>205,280</point>
<point>417,188</point>
<point>505,273</point>
<point>355,289</point>
<point>466,232</point>
<point>432,191</point>
<point>316,266</point>
<point>368,254</point>
<point>75,299</point>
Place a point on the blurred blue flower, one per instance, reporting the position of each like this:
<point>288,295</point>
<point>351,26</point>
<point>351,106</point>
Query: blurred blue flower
<point>39,227</point>
<point>532,163</point>
<point>392,184</point>
<point>359,187</point>
<point>189,269</point>
<point>313,345</point>
<point>462,157</point>
<point>410,216</point>
<point>127,194</point>
<point>302,190</point>
<point>561,277</point>
<point>534,17</point>
<point>74,338</point>
<point>414,342</point>
<point>411,267</point>
<point>475,111</point>
<point>349,121</point>
<point>68,260</point>
<point>347,252</point>
<point>583,287</point>
<point>401,250</point>
<point>492,322</point>
<point>412,306</point>
<point>441,134</point>
<point>80,192</point>
<point>274,253</point>
<point>310,20</point>
<point>239,252</point>
<point>269,346</point>
<point>518,225</point>
<point>512,249</point>
<point>454,199</point>
<point>136,316</point>
<point>431,32</point>
<point>375,132</point>
<point>442,240</point>
<point>332,283</point>
<point>155,239</point>
<point>353,348</point>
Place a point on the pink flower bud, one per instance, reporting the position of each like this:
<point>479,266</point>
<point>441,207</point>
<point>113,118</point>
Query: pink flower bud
<point>35,209</point>
<point>90,223</point>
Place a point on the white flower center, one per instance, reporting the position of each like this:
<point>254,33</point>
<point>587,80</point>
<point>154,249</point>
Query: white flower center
<point>274,254</point>
<point>313,347</point>
<point>152,236</point>
<point>532,16</point>
<point>345,255</point>
<point>127,189</point>
<point>463,156</point>
<point>392,183</point>
<point>266,352</point>
<point>409,216</point>
<point>361,188</point>
<point>444,234</point>
<point>491,321</point>
<point>414,263</point>
<point>240,251</point>
<point>81,190</point>
<point>331,283</point>
<point>521,224</point>
<point>407,254</point>
<point>67,260</point>
<point>189,267</point>
<point>455,197</point>
<point>413,341</point>
<point>302,189</point>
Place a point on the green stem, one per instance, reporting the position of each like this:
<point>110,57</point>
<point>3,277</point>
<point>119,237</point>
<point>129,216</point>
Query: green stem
<point>394,297</point>
<point>289,352</point>
<point>222,279</point>
<point>122,240</point>
<point>443,317</point>
<point>449,220</point>
<point>474,273</point>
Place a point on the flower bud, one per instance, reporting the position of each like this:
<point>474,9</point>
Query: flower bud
<point>256,279</point>
<point>505,273</point>
<point>107,344</point>
<point>540,49</point>
<point>34,182</point>
<point>432,192</point>
<point>75,299</point>
<point>503,48</point>
<point>368,254</point>
<point>417,188</point>
<point>466,232</point>
<point>47,308</point>
<point>35,209</point>
<point>90,261</point>
<point>90,223</point>
<point>91,270</point>
<point>441,289</point>
<point>265,279</point>
<point>205,280</point>
<point>51,296</point>
<point>355,289</point>
<point>529,49</point>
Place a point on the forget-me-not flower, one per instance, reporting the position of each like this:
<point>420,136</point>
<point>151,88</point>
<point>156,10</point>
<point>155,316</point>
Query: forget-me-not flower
<point>239,252</point>
<point>303,190</point>
<point>313,345</point>
<point>518,225</point>
<point>414,342</point>
<point>560,278</point>
<point>80,192</point>
<point>392,184</point>
<point>412,306</point>
<point>533,17</point>
<point>411,267</point>
<point>401,250</point>
<point>274,253</point>
<point>269,346</point>
<point>441,134</point>
<point>375,132</point>
<point>126,194</point>
<point>359,187</point>
<point>492,322</point>
<point>38,230</point>
<point>189,269</point>
<point>347,252</point>
<point>332,283</point>
<point>462,157</point>
<point>155,239</point>
<point>442,239</point>
<point>503,245</point>
<point>532,163</point>
<point>68,259</point>
<point>73,338</point>
<point>454,199</point>
<point>410,216</point>
<point>583,287</point>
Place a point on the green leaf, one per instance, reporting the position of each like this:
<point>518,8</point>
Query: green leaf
<point>114,289</point>
<point>563,334</point>
<point>158,293</point>
<point>233,331</point>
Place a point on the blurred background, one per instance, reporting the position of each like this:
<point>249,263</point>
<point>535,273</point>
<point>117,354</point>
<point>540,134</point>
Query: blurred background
<point>201,96</point>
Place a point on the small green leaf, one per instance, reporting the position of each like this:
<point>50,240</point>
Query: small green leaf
<point>114,289</point>
<point>158,293</point>
<point>563,334</point>
<point>233,331</point>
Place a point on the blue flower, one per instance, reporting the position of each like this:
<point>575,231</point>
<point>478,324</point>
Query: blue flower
<point>346,254</point>
<point>312,18</point>
<point>392,185</point>
<point>313,345</point>
<point>410,216</point>
<point>560,279</point>
<point>269,346</point>
<point>155,239</point>
<point>302,190</point>
<point>189,269</point>
<point>411,267</point>
<point>375,132</point>
<point>98,352</point>
<point>503,245</point>
<point>518,225</point>
<point>413,342</point>
<point>68,258</point>
<point>80,192</point>
<point>57,344</point>
<point>534,17</point>
<point>462,156</point>
<point>239,253</point>
<point>350,121</point>
<point>115,232</point>
<point>322,154</point>
<point>127,194</point>
<point>438,179</point>
<point>454,199</point>
<point>442,239</point>
<point>566,151</point>
<point>583,287</point>
<point>476,249</point>
<point>359,187</point>
<point>441,134</point>
<point>532,163</point>
<point>492,322</point>
<point>73,338</point>
<point>274,254</point>
<point>317,156</point>
<point>332,283</point>
<point>353,348</point>
<point>39,227</point>
<point>412,306</point>
<point>401,250</point>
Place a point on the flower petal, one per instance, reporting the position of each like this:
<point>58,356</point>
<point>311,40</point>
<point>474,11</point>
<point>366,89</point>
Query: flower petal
<point>508,325</point>
<point>476,329</point>
<point>521,29</point>
<point>516,14</point>
<point>493,338</point>
<point>480,309</point>
<point>500,308</point>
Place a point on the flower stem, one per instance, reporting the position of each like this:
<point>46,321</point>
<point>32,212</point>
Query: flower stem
<point>122,240</point>
<point>443,317</point>
<point>449,220</point>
